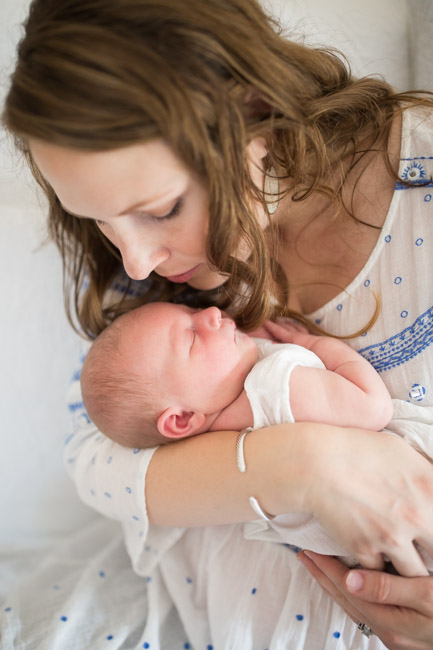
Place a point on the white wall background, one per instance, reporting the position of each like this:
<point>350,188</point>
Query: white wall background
<point>38,348</point>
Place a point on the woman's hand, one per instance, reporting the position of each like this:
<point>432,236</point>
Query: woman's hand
<point>373,494</point>
<point>398,610</point>
<point>390,487</point>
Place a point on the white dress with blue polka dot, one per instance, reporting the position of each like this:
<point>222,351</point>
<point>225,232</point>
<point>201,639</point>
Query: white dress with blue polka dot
<point>253,595</point>
<point>399,344</point>
<point>231,593</point>
<point>399,273</point>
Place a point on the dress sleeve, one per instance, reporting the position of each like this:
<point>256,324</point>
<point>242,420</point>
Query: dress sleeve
<point>111,479</point>
<point>267,385</point>
<point>414,422</point>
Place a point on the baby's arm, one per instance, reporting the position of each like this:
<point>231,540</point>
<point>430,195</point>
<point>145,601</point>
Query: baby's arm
<point>348,393</point>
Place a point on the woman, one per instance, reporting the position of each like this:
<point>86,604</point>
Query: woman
<point>194,145</point>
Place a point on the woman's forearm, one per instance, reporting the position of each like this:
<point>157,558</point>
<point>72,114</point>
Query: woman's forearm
<point>196,481</point>
<point>371,491</point>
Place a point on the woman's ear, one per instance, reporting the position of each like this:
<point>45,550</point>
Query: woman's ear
<point>176,423</point>
<point>257,149</point>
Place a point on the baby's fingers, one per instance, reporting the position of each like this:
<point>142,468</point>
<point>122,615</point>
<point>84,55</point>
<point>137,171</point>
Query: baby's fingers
<point>281,332</point>
<point>291,324</point>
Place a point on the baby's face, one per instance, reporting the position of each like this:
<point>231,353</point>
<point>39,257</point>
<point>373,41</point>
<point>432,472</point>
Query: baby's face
<point>198,358</point>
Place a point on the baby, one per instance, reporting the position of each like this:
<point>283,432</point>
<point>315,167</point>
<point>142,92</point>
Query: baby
<point>165,371</point>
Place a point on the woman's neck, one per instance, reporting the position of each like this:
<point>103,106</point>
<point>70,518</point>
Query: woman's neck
<point>323,250</point>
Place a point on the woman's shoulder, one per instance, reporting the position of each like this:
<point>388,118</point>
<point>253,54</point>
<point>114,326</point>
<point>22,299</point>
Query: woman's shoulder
<point>417,132</point>
<point>416,154</point>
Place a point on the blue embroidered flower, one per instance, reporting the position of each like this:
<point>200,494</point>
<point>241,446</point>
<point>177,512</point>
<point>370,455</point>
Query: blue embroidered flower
<point>417,392</point>
<point>414,172</point>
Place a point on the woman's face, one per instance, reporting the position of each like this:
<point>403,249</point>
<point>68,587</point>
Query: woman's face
<point>144,201</point>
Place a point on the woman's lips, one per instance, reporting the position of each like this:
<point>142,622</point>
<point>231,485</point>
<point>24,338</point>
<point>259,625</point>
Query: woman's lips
<point>183,277</point>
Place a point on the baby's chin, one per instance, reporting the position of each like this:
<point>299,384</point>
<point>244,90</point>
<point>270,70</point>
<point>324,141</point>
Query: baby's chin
<point>249,349</point>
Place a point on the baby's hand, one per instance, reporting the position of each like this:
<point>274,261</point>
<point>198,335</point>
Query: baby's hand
<point>262,333</point>
<point>290,325</point>
<point>286,331</point>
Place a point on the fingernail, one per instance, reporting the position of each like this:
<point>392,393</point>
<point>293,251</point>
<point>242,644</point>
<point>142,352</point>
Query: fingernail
<point>354,581</point>
<point>303,557</point>
<point>309,555</point>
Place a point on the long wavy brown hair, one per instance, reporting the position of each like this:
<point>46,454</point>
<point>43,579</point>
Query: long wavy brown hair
<point>207,76</point>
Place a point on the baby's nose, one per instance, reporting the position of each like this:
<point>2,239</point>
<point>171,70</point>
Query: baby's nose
<point>212,317</point>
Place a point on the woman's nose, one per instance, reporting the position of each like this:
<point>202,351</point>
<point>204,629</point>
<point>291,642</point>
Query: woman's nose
<point>139,259</point>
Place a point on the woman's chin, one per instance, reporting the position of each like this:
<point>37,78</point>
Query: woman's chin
<point>208,280</point>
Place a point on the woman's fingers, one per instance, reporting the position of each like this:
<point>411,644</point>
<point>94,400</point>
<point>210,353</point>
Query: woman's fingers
<point>372,561</point>
<point>406,563</point>
<point>409,563</point>
<point>385,498</point>
<point>330,586</point>
<point>388,589</point>
<point>399,610</point>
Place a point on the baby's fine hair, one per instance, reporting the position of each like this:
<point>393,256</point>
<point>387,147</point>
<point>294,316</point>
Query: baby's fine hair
<point>119,401</point>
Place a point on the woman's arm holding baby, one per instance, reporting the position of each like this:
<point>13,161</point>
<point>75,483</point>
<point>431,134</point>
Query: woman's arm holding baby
<point>383,487</point>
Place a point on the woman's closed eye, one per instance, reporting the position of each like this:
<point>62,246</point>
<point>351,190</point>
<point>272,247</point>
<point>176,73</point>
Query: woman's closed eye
<point>174,212</point>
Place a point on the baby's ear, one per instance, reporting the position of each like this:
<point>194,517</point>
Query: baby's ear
<point>174,422</point>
